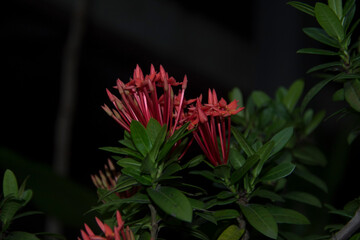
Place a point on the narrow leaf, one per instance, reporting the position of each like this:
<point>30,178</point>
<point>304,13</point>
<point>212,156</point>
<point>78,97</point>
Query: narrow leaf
<point>282,170</point>
<point>232,232</point>
<point>293,95</point>
<point>235,94</point>
<point>171,201</point>
<point>10,185</point>
<point>284,215</point>
<point>310,177</point>
<point>303,7</point>
<point>239,174</point>
<point>320,35</point>
<point>304,198</point>
<point>242,142</point>
<point>140,137</point>
<point>22,236</point>
<point>310,155</point>
<point>263,193</point>
<point>325,66</point>
<point>317,51</point>
<point>329,21</point>
<point>123,151</point>
<point>314,123</point>
<point>153,128</point>
<point>260,98</point>
<point>281,139</point>
<point>225,214</point>
<point>315,90</point>
<point>261,219</point>
<point>352,94</point>
<point>336,6</point>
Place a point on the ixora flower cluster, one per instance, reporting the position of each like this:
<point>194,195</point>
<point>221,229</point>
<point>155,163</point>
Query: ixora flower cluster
<point>153,97</point>
<point>140,102</point>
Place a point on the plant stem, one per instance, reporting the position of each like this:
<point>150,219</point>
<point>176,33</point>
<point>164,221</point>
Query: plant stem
<point>349,228</point>
<point>154,223</point>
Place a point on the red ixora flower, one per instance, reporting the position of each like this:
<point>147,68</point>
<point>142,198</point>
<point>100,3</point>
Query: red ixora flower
<point>108,178</point>
<point>210,121</point>
<point>139,100</point>
<point>119,232</point>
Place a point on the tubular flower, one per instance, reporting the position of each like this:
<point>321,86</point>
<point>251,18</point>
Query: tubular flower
<point>140,100</point>
<point>213,124</point>
<point>108,178</point>
<point>119,232</point>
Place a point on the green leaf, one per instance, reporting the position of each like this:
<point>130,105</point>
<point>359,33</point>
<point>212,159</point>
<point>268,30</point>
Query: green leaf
<point>264,154</point>
<point>304,198</point>
<point>158,142</point>
<point>222,171</point>
<point>353,135</point>
<point>303,7</point>
<point>8,211</point>
<point>293,95</point>
<point>284,215</point>
<point>260,98</point>
<point>123,151</point>
<point>207,216</point>
<point>206,174</point>
<point>236,159</point>
<point>311,178</point>
<point>317,51</point>
<point>281,138</point>
<point>263,193</point>
<point>25,214</point>
<point>310,155</point>
<point>194,161</point>
<point>10,185</point>
<point>261,219</point>
<point>329,21</point>
<point>135,173</point>
<point>127,162</point>
<point>352,94</point>
<point>315,90</point>
<point>22,236</point>
<point>140,137</point>
<point>336,6</point>
<point>349,12</point>
<point>232,232</point>
<point>280,171</point>
<point>235,94</point>
<point>339,95</point>
<point>355,237</point>
<point>320,35</point>
<point>153,128</point>
<point>224,214</point>
<point>336,65</point>
<point>239,174</point>
<point>171,201</point>
<point>242,142</point>
<point>315,122</point>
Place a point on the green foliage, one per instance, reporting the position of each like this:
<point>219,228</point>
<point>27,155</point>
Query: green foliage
<point>14,199</point>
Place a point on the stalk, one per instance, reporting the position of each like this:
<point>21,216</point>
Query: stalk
<point>154,223</point>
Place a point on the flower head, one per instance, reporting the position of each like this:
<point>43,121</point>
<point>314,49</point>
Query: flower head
<point>149,96</point>
<point>119,232</point>
<point>108,178</point>
<point>213,124</point>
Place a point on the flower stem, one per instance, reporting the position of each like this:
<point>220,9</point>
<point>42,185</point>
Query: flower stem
<point>154,223</point>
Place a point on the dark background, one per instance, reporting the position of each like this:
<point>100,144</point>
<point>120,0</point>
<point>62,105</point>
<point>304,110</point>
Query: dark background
<point>251,45</point>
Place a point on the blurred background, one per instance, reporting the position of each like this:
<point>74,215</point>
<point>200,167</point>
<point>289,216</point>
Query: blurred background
<point>60,55</point>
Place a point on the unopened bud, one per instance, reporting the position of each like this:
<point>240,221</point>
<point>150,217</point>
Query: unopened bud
<point>184,83</point>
